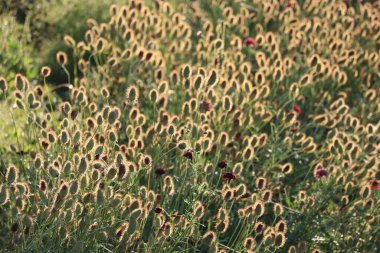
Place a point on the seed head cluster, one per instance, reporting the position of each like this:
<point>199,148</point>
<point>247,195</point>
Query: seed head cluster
<point>226,126</point>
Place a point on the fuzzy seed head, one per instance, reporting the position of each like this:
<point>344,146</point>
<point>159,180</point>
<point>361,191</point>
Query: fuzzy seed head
<point>12,174</point>
<point>132,94</point>
<point>45,71</point>
<point>3,84</point>
<point>61,58</point>
<point>198,210</point>
<point>4,194</point>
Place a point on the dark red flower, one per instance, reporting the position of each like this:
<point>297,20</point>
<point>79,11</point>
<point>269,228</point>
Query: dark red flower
<point>375,185</point>
<point>250,42</point>
<point>320,172</point>
<point>297,109</point>
<point>294,130</point>
<point>228,176</point>
<point>160,171</point>
<point>158,210</point>
<point>222,164</point>
<point>188,155</point>
<point>206,106</point>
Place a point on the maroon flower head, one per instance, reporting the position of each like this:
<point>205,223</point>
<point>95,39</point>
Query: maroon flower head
<point>188,155</point>
<point>222,164</point>
<point>297,109</point>
<point>158,210</point>
<point>250,42</point>
<point>228,176</point>
<point>160,171</point>
<point>206,106</point>
<point>321,172</point>
<point>294,130</point>
<point>375,185</point>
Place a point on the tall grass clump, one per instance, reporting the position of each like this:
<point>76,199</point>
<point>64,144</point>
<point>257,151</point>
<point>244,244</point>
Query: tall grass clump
<point>203,126</point>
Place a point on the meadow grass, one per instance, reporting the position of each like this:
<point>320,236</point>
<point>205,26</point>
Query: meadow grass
<point>202,126</point>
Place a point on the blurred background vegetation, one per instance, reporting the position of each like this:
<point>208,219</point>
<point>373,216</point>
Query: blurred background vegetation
<point>32,33</point>
<point>33,30</point>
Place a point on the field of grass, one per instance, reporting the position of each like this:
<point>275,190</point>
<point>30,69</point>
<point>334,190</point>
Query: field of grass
<point>190,126</point>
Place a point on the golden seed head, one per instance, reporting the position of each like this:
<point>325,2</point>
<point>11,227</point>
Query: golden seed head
<point>61,58</point>
<point>279,240</point>
<point>198,210</point>
<point>12,174</point>
<point>45,71</point>
<point>4,194</point>
<point>3,84</point>
<point>69,41</point>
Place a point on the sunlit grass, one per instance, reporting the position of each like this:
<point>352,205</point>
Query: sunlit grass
<point>206,126</point>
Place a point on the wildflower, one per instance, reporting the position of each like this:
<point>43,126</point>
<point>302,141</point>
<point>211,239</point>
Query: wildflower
<point>158,210</point>
<point>206,106</point>
<point>375,185</point>
<point>160,171</point>
<point>222,164</point>
<point>250,42</point>
<point>294,130</point>
<point>297,109</point>
<point>188,155</point>
<point>228,176</point>
<point>320,172</point>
